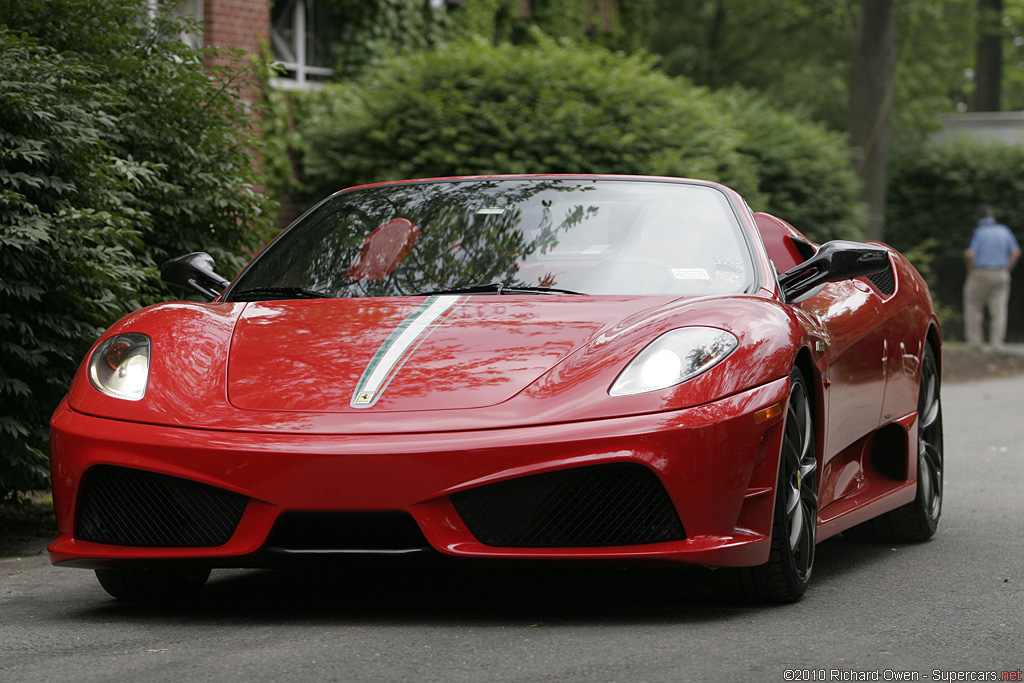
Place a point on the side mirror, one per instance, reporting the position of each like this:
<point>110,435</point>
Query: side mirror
<point>194,271</point>
<point>834,261</point>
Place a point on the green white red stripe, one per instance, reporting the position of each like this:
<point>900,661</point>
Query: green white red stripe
<point>397,348</point>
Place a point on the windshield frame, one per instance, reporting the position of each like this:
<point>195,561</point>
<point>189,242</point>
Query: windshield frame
<point>739,217</point>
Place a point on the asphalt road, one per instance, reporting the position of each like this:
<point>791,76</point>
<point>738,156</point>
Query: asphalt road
<point>942,610</point>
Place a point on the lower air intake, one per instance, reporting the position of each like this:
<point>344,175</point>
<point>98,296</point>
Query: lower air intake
<point>604,505</point>
<point>121,506</point>
<point>346,531</point>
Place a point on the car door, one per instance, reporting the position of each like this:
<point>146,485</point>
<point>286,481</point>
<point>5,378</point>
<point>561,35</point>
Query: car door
<point>856,352</point>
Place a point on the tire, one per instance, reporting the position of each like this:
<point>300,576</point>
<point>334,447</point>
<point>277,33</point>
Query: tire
<point>784,578</point>
<point>918,520</point>
<point>153,585</point>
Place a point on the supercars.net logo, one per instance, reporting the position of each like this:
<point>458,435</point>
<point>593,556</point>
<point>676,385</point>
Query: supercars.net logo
<point>898,675</point>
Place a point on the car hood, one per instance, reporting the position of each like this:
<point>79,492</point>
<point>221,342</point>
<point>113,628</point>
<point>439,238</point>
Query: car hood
<point>426,364</point>
<point>404,354</point>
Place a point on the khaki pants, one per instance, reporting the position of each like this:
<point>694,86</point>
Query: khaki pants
<point>986,287</point>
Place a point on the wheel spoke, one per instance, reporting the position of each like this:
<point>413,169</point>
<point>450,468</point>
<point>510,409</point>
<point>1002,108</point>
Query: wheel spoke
<point>792,498</point>
<point>929,416</point>
<point>808,434</point>
<point>925,475</point>
<point>796,527</point>
<point>808,538</point>
<point>799,422</point>
<point>931,479</point>
<point>927,385</point>
<point>928,402</point>
<point>808,468</point>
<point>932,458</point>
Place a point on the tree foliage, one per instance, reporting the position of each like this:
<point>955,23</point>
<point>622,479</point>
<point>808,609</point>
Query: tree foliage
<point>117,150</point>
<point>803,169</point>
<point>474,108</point>
<point>361,33</point>
<point>798,52</point>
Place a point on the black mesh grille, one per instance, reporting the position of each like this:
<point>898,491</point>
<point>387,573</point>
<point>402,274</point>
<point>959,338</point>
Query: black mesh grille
<point>885,281</point>
<point>391,530</point>
<point>605,505</point>
<point>122,506</point>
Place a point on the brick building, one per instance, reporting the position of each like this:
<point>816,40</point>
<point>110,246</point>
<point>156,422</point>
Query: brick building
<point>248,24</point>
<point>241,24</point>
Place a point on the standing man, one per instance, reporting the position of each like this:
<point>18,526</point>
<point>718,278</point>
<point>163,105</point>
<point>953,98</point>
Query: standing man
<point>990,258</point>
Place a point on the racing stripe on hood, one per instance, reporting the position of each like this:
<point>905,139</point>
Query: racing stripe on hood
<point>397,348</point>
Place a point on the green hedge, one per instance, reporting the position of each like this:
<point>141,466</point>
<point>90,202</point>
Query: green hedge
<point>475,108</point>
<point>67,232</point>
<point>803,169</point>
<point>118,149</point>
<point>932,200</point>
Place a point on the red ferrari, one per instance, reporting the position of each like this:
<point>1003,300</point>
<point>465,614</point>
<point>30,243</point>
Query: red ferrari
<point>520,367</point>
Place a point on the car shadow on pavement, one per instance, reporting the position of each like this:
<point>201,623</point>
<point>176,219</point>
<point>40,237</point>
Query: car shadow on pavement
<point>436,589</point>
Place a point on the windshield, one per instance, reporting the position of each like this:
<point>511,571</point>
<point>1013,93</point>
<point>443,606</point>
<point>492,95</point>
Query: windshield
<point>514,235</point>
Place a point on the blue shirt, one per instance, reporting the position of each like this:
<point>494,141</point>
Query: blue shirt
<point>992,244</point>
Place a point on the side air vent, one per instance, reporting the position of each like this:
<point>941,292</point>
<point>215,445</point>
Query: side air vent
<point>604,505</point>
<point>884,281</point>
<point>122,506</point>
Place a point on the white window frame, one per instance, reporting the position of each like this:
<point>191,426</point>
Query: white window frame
<point>291,53</point>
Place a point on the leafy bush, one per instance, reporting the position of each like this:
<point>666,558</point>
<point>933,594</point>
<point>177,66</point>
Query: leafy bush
<point>67,228</point>
<point>804,171</point>
<point>117,150</point>
<point>175,111</point>
<point>474,108</point>
<point>932,200</point>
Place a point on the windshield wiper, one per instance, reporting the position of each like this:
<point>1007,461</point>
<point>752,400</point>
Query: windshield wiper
<point>271,293</point>
<point>499,288</point>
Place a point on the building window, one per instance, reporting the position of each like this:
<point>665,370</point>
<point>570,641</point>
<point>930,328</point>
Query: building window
<point>298,48</point>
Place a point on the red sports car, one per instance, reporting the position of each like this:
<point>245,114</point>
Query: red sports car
<point>542,367</point>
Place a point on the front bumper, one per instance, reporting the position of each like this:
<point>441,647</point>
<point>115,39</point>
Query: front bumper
<point>717,463</point>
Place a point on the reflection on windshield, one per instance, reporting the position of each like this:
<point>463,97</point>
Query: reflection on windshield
<point>586,235</point>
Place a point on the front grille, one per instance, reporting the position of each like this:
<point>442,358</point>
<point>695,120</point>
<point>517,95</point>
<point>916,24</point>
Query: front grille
<point>341,531</point>
<point>122,506</point>
<point>603,505</point>
<point>884,280</point>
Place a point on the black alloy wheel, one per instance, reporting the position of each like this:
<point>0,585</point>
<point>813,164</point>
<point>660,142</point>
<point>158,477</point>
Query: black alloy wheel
<point>784,578</point>
<point>929,450</point>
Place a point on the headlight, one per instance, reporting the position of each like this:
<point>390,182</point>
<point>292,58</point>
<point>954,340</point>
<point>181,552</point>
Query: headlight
<point>119,367</point>
<point>672,358</point>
